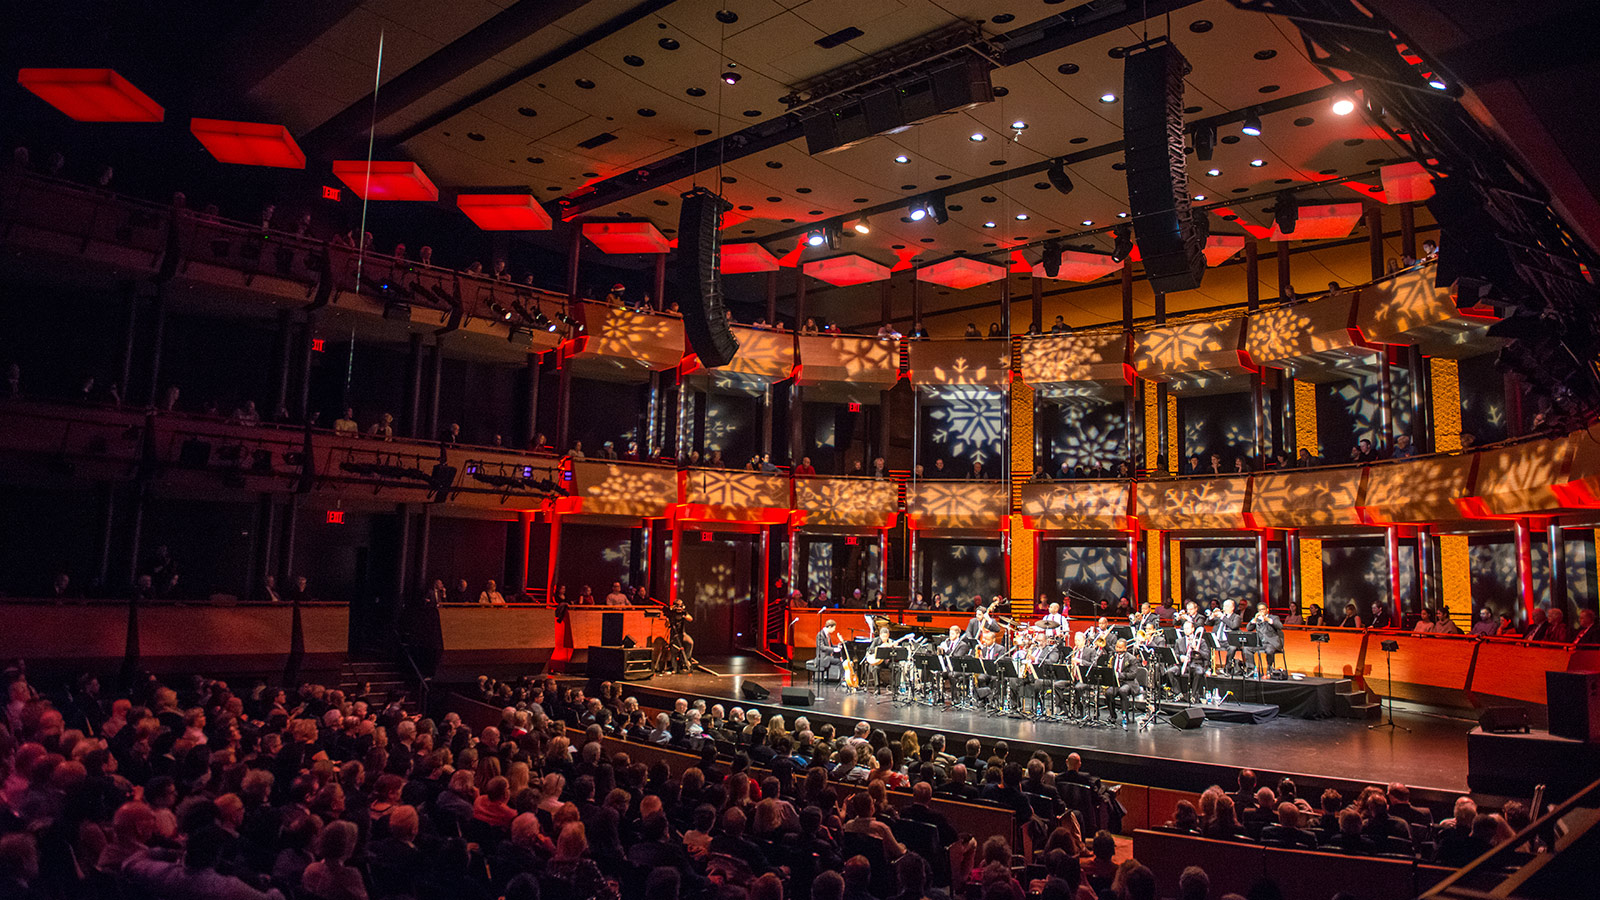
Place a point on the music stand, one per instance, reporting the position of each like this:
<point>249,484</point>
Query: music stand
<point>892,658</point>
<point>1166,658</point>
<point>1389,647</point>
<point>972,667</point>
<point>1249,643</point>
<point>1100,676</point>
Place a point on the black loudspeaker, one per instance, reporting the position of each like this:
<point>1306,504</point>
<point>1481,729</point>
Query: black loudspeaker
<point>1158,182</point>
<point>1187,718</point>
<point>752,691</point>
<point>1574,699</point>
<point>611,629</point>
<point>705,320</point>
<point>443,476</point>
<point>1505,720</point>
<point>793,696</point>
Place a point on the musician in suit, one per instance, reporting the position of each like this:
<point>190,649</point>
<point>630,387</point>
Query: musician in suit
<point>1270,630</point>
<point>1131,676</point>
<point>1194,658</point>
<point>1084,655</point>
<point>1147,619</point>
<point>1225,624</point>
<point>953,645</point>
<point>977,624</point>
<point>830,653</point>
<point>989,651</point>
<point>880,672</point>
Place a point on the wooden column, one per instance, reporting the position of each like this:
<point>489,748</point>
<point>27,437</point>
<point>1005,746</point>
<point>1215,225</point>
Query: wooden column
<point>1385,436</point>
<point>1261,561</point>
<point>658,290</point>
<point>307,346</point>
<point>1005,308</point>
<point>520,558</point>
<point>411,426</point>
<point>434,377</point>
<point>1375,240</point>
<point>284,354</point>
<point>1283,269</point>
<point>1291,571</point>
<point>157,340</point>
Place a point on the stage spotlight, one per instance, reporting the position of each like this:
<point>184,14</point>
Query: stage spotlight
<point>731,77</point>
<point>1058,176</point>
<point>1205,142</point>
<point>1343,105</point>
<point>931,206</point>
<point>816,238</point>
<point>1286,213</point>
<point>1052,259</point>
<point>542,320</point>
<point>918,210</point>
<point>861,226</point>
<point>1257,163</point>
<point>1252,124</point>
<point>1123,245</point>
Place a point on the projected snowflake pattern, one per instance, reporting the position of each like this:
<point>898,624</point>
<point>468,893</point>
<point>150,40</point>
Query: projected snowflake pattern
<point>722,430</point>
<point>1360,574</point>
<point>656,341</point>
<point>959,372</point>
<point>840,501</point>
<point>1171,348</point>
<point>1227,573</point>
<point>1083,504</point>
<point>970,425</point>
<point>1095,571</point>
<point>1096,444</point>
<point>819,568</point>
<point>717,588</point>
<point>738,490</point>
<point>964,570</point>
<point>1363,402</point>
<point>1067,357</point>
<point>619,489</point>
<point>1405,302</point>
<point>957,504</point>
<point>1278,333</point>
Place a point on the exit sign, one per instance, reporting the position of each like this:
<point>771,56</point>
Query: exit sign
<point>854,406</point>
<point>705,536</point>
<point>850,541</point>
<point>317,345</point>
<point>335,517</point>
<point>331,193</point>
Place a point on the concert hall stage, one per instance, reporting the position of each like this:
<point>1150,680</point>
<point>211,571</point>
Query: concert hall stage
<point>1342,753</point>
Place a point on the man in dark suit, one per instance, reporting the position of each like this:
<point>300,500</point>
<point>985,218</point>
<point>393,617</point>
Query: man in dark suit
<point>1269,629</point>
<point>920,809</point>
<point>958,787</point>
<point>1245,797</point>
<point>655,850</point>
<point>1227,624</point>
<point>1400,806</point>
<point>1350,839</point>
<point>1586,634</point>
<point>1287,831</point>
<point>828,662</point>
<point>1008,792</point>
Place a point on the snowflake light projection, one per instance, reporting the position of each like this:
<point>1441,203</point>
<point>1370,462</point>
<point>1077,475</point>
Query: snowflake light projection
<point>1093,434</point>
<point>962,571</point>
<point>738,490</point>
<point>961,372</point>
<point>1410,300</point>
<point>1168,348</point>
<point>1362,399</point>
<point>642,338</point>
<point>819,568</point>
<point>1095,571</point>
<point>717,588</point>
<point>849,358</point>
<point>1068,357</point>
<point>621,489</point>
<point>845,501</point>
<point>968,422</point>
<point>1359,574</point>
<point>1277,333</point>
<point>1228,573</point>
<point>957,504</point>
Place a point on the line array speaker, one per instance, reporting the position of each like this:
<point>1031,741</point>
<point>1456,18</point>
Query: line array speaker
<point>1158,182</point>
<point>705,319</point>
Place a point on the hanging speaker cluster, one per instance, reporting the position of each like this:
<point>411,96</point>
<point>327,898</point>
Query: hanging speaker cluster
<point>705,319</point>
<point>1158,182</point>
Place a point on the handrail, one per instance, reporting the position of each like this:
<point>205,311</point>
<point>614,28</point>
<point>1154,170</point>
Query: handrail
<point>423,681</point>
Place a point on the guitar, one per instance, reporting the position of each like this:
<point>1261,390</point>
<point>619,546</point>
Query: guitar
<point>848,676</point>
<point>872,654</point>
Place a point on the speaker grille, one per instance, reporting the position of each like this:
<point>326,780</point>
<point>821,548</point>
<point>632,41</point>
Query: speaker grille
<point>1158,181</point>
<point>705,320</point>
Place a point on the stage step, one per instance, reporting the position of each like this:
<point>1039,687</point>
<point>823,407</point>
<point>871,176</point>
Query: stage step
<point>1350,702</point>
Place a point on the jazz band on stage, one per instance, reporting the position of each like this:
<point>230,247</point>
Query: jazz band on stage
<point>1045,670</point>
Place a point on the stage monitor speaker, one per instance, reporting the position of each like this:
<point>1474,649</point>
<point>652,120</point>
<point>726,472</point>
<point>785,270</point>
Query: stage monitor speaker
<point>1574,699</point>
<point>794,696</point>
<point>705,319</point>
<point>1506,720</point>
<point>611,629</point>
<point>749,690</point>
<point>1188,717</point>
<point>1158,182</point>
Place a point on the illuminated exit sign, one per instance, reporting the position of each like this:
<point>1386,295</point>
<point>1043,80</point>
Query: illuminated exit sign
<point>331,193</point>
<point>335,517</point>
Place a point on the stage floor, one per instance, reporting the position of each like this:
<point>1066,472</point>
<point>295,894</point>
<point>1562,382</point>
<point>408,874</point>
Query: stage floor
<point>1432,756</point>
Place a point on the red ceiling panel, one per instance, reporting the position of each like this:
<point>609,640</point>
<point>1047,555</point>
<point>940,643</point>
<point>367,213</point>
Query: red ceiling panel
<point>91,95</point>
<point>1406,183</point>
<point>249,143</point>
<point>1221,247</point>
<point>961,273</point>
<point>738,259</point>
<point>842,271</point>
<point>504,212</point>
<point>626,237</point>
<point>1331,220</point>
<point>1077,265</point>
<point>391,179</point>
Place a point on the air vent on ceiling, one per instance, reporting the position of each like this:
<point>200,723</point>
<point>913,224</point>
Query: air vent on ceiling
<point>828,42</point>
<point>599,140</point>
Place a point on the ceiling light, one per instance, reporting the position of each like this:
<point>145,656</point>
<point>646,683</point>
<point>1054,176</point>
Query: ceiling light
<point>1058,176</point>
<point>816,238</point>
<point>1343,106</point>
<point>988,225</point>
<point>930,206</point>
<point>1108,98</point>
<point>861,226</point>
<point>1122,215</point>
<point>977,136</point>
<point>731,77</point>
<point>1019,125</point>
<point>1087,222</point>
<point>902,159</point>
<point>1213,172</point>
<point>1436,84</point>
<point>1258,163</point>
<point>1123,244</point>
<point>917,213</point>
<point>1199,196</point>
<point>1022,217</point>
<point>1252,124</point>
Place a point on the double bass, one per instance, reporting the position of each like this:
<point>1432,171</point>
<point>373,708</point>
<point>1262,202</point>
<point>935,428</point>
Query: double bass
<point>848,676</point>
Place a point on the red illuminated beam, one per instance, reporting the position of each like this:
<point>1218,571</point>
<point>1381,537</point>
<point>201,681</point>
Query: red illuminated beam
<point>843,271</point>
<point>626,237</point>
<point>739,259</point>
<point>1321,222</point>
<point>961,273</point>
<point>91,95</point>
<point>390,180</point>
<point>248,143</point>
<point>504,212</point>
